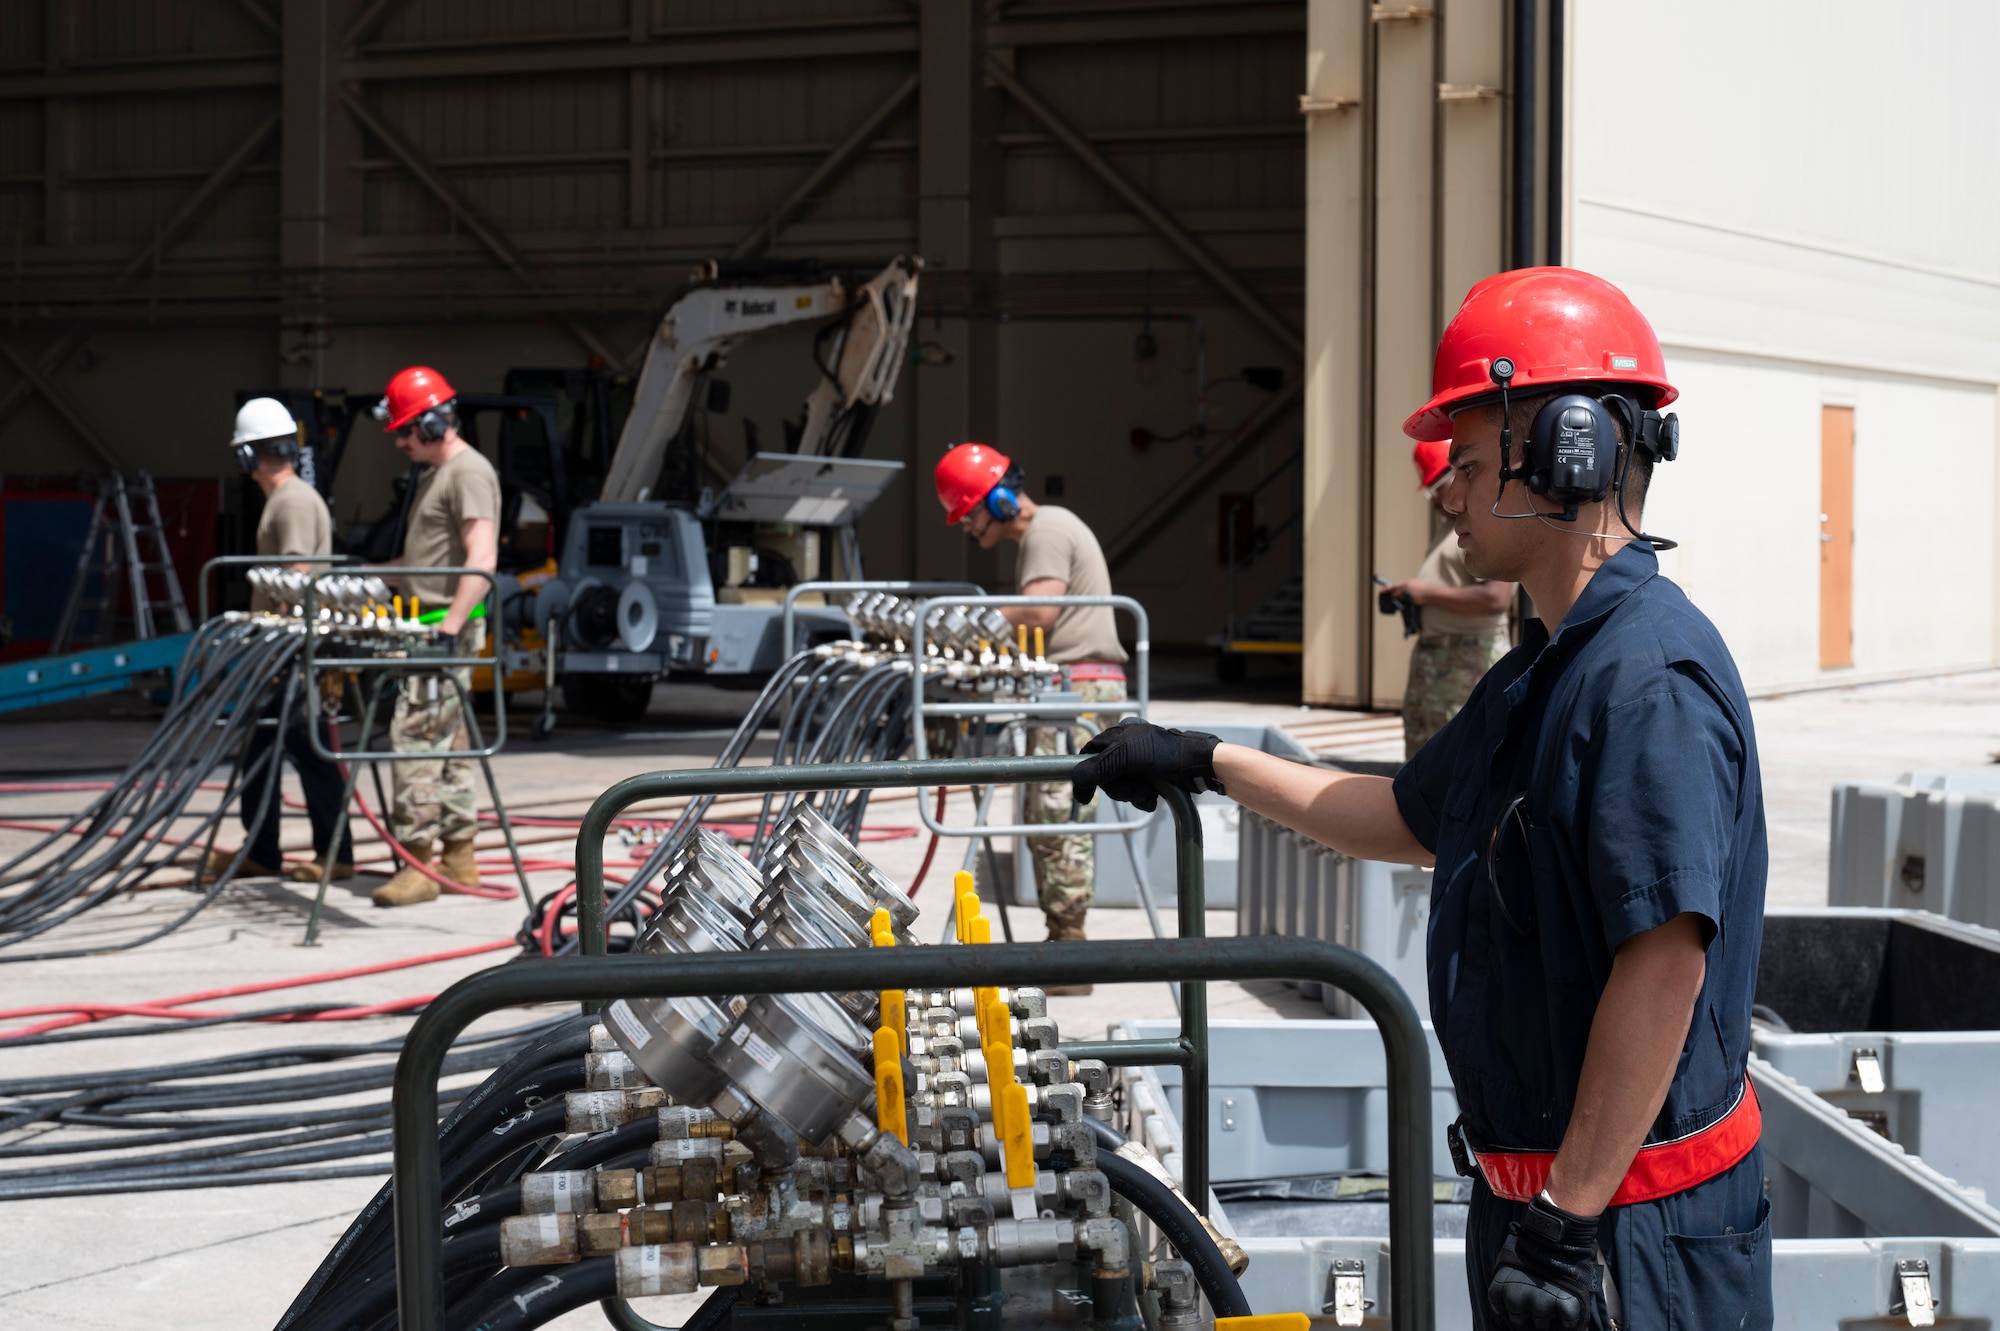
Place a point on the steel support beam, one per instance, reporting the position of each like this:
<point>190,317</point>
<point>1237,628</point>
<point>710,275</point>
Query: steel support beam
<point>1233,20</point>
<point>261,16</point>
<point>765,233</point>
<point>365,23</point>
<point>830,46</point>
<point>1275,325</point>
<point>1200,480</point>
<point>32,380</point>
<point>150,253</point>
<point>259,71</point>
<point>470,218</point>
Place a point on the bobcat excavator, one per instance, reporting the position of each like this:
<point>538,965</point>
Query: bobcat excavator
<point>667,572</point>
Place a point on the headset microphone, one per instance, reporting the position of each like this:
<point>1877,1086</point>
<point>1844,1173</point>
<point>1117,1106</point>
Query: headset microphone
<point>1572,454</point>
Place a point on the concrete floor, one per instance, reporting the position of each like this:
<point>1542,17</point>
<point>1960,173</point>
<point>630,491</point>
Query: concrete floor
<point>230,1258</point>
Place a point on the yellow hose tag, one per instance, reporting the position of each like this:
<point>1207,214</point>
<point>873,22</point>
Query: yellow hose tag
<point>890,1111</point>
<point>1016,1133</point>
<point>1265,1322</point>
<point>879,928</point>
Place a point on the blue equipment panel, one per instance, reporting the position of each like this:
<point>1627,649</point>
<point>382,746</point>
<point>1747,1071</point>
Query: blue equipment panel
<point>80,674</point>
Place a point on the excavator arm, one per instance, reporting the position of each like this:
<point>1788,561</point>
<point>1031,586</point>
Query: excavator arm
<point>859,363</point>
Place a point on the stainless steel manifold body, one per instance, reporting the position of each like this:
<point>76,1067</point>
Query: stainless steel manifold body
<point>807,1142</point>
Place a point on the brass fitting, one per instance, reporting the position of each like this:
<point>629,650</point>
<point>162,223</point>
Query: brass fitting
<point>722,1264</point>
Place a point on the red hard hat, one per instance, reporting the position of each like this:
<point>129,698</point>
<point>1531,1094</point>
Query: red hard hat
<point>966,475</point>
<point>411,393</point>
<point>1433,459</point>
<point>1558,326</point>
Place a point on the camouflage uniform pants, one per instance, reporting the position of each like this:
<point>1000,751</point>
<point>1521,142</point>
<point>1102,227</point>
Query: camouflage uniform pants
<point>433,803</point>
<point>1065,867</point>
<point>1443,670</point>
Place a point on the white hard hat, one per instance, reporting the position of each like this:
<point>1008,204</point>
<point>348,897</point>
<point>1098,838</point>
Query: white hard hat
<point>263,418</point>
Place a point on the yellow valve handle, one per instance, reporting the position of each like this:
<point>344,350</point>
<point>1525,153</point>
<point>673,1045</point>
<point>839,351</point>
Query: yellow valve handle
<point>891,1114</point>
<point>417,613</point>
<point>981,930</point>
<point>967,910</point>
<point>397,601</point>
<point>1017,1138</point>
<point>895,1016</point>
<point>1021,632</point>
<point>1265,1322</point>
<point>1038,643</point>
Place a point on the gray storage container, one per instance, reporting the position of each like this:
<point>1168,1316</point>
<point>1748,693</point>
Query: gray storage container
<point>1927,841</point>
<point>1290,884</point>
<point>1303,1100</point>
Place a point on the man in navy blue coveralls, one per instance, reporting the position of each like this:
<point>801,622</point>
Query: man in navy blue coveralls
<point>1595,816</point>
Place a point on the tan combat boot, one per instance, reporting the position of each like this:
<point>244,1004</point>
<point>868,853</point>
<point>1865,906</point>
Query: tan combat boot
<point>219,860</point>
<point>458,863</point>
<point>309,871</point>
<point>1065,930</point>
<point>410,886</point>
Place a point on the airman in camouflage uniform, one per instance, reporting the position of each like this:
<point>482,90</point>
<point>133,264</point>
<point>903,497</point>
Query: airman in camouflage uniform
<point>434,797</point>
<point>1443,670</point>
<point>1465,628</point>
<point>1065,866</point>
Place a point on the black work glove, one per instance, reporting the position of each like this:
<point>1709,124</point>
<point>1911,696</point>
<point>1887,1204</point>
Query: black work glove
<point>1124,760</point>
<point>1547,1277</point>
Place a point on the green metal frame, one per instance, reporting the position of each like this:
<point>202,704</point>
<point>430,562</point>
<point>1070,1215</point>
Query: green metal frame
<point>1192,960</point>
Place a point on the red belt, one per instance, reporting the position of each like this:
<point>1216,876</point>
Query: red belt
<point>1096,670</point>
<point>1659,1170</point>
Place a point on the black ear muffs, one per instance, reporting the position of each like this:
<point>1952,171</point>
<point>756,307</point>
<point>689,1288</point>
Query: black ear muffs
<point>1572,450</point>
<point>246,457</point>
<point>432,425</point>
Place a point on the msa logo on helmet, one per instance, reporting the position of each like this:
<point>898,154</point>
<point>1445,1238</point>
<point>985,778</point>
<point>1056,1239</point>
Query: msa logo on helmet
<point>750,307</point>
<point>1624,363</point>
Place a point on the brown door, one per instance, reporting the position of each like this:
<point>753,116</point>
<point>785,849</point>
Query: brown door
<point>1836,537</point>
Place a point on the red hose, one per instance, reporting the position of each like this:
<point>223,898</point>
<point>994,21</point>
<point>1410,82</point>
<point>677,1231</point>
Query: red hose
<point>166,1007</point>
<point>930,851</point>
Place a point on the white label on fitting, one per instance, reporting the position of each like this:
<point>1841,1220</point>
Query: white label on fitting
<point>559,1189</point>
<point>629,1024</point>
<point>548,1229</point>
<point>760,1049</point>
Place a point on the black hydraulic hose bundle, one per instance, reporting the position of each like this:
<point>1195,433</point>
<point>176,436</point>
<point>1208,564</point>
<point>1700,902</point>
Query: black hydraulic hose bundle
<point>836,709</point>
<point>1159,1204</point>
<point>236,674</point>
<point>515,1087</point>
<point>95,1133</point>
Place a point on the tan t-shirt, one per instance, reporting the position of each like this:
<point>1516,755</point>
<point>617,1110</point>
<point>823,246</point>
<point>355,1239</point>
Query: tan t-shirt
<point>1059,545</point>
<point>295,522</point>
<point>1445,566</point>
<point>455,492</point>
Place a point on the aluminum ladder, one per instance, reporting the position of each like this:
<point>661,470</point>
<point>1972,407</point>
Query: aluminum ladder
<point>113,546</point>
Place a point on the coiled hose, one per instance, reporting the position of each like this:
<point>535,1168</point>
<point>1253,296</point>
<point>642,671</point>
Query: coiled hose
<point>1159,1204</point>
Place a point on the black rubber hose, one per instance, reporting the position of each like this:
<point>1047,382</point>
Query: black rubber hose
<point>489,1103</point>
<point>1157,1202</point>
<point>525,1297</point>
<point>361,1305</point>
